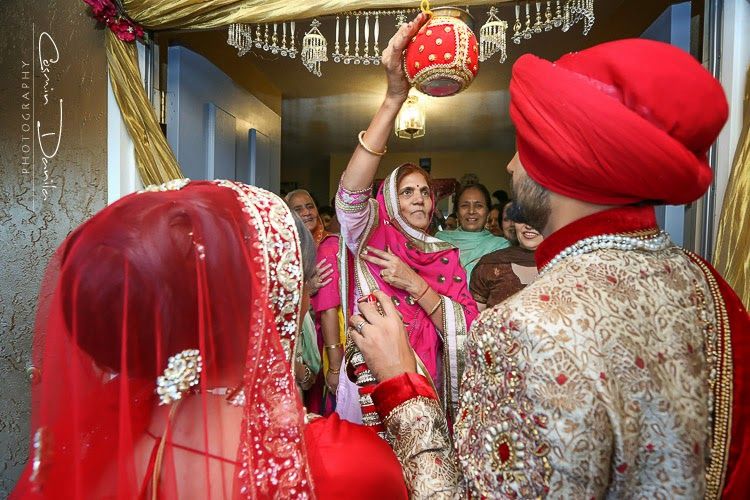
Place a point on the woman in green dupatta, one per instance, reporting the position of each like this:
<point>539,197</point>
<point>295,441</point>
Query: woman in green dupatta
<point>471,238</point>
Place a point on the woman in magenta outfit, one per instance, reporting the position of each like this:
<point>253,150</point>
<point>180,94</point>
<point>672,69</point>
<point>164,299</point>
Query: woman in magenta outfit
<point>326,302</point>
<point>394,253</point>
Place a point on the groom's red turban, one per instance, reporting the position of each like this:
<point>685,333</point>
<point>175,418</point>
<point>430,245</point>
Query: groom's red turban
<point>619,123</point>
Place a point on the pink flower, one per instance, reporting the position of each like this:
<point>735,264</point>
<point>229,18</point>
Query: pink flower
<point>105,11</point>
<point>126,30</point>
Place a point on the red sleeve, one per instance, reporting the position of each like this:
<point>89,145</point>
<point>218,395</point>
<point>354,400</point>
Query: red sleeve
<point>328,297</point>
<point>392,392</point>
<point>350,461</point>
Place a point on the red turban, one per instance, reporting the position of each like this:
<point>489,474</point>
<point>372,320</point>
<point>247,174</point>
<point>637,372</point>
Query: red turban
<point>619,123</point>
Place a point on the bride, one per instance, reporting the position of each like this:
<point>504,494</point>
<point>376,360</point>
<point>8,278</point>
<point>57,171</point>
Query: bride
<point>164,336</point>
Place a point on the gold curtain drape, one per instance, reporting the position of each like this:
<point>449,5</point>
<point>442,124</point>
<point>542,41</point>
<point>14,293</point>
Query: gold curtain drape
<point>155,160</point>
<point>196,14</point>
<point>732,252</point>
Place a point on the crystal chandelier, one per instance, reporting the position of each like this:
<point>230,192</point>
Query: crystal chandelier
<point>314,49</point>
<point>492,37</point>
<point>410,120</point>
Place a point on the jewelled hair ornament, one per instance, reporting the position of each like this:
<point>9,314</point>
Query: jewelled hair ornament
<point>181,375</point>
<point>442,59</point>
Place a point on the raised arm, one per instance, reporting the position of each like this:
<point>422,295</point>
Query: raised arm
<point>363,164</point>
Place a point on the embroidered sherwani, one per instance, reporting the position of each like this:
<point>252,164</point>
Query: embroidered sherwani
<point>610,376</point>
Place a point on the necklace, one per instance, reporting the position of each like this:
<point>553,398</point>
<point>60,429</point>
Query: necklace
<point>651,243</point>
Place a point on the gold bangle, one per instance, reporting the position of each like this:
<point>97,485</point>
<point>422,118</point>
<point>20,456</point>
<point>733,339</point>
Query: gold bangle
<point>335,372</point>
<point>333,346</point>
<point>440,301</point>
<point>307,378</point>
<point>421,295</point>
<point>367,148</point>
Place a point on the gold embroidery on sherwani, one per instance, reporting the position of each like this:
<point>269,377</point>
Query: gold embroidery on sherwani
<point>592,382</point>
<point>609,348</point>
<point>500,448</point>
<point>419,436</point>
<point>719,357</point>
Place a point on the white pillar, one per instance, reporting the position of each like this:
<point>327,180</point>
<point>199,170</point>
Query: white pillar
<point>122,174</point>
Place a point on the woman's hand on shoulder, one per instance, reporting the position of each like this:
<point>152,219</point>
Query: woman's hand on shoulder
<point>322,276</point>
<point>395,271</point>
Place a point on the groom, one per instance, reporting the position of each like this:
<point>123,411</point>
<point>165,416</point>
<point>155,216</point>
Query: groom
<point>622,371</point>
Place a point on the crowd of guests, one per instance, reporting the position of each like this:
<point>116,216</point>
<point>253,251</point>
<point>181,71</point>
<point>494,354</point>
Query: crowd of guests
<point>495,253</point>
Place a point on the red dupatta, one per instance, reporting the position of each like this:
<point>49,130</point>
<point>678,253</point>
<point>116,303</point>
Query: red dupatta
<point>210,266</point>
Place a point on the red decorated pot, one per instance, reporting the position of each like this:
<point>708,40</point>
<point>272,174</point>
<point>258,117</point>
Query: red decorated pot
<point>442,59</point>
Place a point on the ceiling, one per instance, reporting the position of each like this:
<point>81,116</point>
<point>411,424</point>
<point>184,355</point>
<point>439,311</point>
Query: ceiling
<point>322,115</point>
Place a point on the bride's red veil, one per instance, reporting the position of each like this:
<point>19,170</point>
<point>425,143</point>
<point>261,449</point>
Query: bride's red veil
<point>212,266</point>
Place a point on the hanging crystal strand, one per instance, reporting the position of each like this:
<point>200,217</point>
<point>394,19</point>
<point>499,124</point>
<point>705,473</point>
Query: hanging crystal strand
<point>566,16</point>
<point>557,20</point>
<point>347,58</point>
<point>538,24</point>
<point>400,18</point>
<point>376,49</point>
<point>232,35</point>
<point>527,29</point>
<point>258,37</point>
<point>292,49</point>
<point>503,45</point>
<point>266,35</point>
<point>356,42</point>
<point>317,52</point>
<point>589,18</point>
<point>575,12</point>
<point>243,39</point>
<point>484,46</point>
<point>275,39</point>
<point>486,36</point>
<point>240,38</point>
<point>283,39</point>
<point>336,46</point>
<point>517,25</point>
<point>366,52</point>
<point>580,10</point>
<point>548,16</point>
